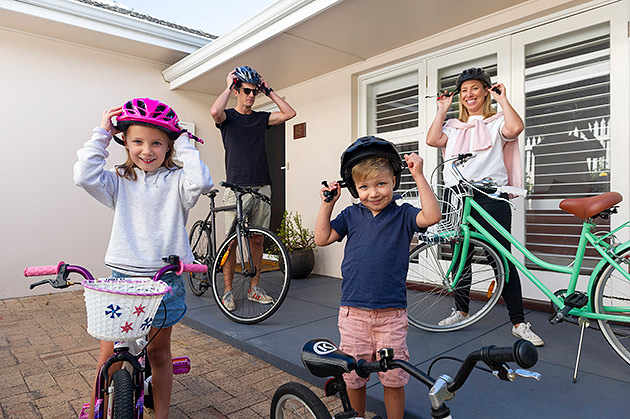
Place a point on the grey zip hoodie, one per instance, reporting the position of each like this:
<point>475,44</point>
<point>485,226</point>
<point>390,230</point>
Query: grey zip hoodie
<point>150,213</point>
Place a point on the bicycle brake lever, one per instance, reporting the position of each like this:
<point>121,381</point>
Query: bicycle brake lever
<point>523,373</point>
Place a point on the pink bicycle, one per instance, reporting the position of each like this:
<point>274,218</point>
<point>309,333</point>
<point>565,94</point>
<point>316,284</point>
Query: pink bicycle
<point>121,310</point>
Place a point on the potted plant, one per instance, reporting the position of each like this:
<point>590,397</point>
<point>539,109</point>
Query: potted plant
<point>300,242</point>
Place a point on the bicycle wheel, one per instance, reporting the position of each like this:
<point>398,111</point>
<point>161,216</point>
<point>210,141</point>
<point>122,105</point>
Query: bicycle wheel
<point>294,400</point>
<point>275,277</point>
<point>123,395</point>
<point>611,294</point>
<point>430,295</point>
<point>200,244</point>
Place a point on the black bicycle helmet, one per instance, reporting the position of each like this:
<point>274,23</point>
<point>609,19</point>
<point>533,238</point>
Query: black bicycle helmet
<point>246,74</point>
<point>474,73</point>
<point>366,147</point>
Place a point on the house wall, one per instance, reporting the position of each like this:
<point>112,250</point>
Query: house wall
<point>328,105</point>
<point>53,94</point>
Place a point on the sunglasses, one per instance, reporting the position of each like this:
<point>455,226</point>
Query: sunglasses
<point>247,91</point>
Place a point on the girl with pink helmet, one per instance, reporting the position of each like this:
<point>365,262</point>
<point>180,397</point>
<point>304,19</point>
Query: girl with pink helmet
<point>150,195</point>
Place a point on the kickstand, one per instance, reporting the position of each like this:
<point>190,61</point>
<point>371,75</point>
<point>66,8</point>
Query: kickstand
<point>584,323</point>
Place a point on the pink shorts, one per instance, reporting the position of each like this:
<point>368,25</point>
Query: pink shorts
<point>363,332</point>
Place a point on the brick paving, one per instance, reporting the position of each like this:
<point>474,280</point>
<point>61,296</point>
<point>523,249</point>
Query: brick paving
<point>47,364</point>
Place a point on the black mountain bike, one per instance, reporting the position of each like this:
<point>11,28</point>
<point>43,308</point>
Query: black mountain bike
<point>270,271</point>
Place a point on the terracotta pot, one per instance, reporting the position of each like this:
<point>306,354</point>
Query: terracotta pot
<point>302,263</point>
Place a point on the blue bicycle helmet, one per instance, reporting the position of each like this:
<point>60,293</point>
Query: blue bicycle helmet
<point>246,74</point>
<point>366,147</point>
<point>474,73</point>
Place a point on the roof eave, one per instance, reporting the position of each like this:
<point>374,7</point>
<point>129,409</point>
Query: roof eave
<point>269,23</point>
<point>108,22</point>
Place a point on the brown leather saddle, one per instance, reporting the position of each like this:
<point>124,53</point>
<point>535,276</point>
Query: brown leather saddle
<point>584,208</point>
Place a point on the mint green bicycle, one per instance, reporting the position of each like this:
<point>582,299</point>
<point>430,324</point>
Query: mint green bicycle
<point>451,261</point>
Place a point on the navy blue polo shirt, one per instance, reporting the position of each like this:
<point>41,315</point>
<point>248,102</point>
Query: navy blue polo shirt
<point>376,256</point>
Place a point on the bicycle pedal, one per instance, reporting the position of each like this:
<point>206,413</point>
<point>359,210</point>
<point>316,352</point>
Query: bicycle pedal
<point>181,365</point>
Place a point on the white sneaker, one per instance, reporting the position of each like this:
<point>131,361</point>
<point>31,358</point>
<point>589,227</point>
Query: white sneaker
<point>524,331</point>
<point>455,317</point>
<point>228,301</point>
<point>258,294</point>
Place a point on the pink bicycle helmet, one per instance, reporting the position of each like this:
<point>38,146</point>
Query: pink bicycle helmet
<point>152,113</point>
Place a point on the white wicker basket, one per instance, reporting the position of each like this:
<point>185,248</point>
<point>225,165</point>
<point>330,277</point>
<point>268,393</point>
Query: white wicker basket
<point>451,205</point>
<point>122,309</point>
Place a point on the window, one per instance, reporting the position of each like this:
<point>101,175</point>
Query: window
<point>393,104</point>
<point>393,114</point>
<point>567,137</point>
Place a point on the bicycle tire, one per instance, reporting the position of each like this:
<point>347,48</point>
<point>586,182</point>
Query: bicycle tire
<point>275,278</point>
<point>610,291</point>
<point>294,400</point>
<point>200,245</point>
<point>123,406</point>
<point>429,297</point>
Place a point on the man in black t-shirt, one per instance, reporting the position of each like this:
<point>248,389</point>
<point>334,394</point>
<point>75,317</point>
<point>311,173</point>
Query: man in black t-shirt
<point>243,134</point>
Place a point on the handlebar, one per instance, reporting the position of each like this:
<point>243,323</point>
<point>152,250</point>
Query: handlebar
<point>486,185</point>
<point>63,270</point>
<point>524,353</point>
<point>246,190</point>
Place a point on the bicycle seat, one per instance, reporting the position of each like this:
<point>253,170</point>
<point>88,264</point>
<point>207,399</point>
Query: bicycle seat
<point>322,358</point>
<point>584,208</point>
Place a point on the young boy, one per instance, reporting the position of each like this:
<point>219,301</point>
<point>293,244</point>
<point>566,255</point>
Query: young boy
<point>373,312</point>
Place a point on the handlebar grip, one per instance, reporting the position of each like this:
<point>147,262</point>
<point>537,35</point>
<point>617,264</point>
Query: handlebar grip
<point>195,267</point>
<point>524,353</point>
<point>364,368</point>
<point>41,270</point>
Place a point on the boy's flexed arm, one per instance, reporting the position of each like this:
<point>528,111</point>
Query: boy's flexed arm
<point>430,213</point>
<point>324,233</point>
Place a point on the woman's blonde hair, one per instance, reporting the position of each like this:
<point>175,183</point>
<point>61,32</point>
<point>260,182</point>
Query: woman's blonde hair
<point>127,169</point>
<point>487,111</point>
<point>370,168</point>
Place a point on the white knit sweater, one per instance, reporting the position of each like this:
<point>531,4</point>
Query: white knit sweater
<point>150,213</point>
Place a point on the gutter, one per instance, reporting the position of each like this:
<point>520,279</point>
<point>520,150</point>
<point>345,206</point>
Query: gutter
<point>271,22</point>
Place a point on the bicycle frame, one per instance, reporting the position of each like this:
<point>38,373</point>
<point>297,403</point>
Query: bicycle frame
<point>607,251</point>
<point>238,226</point>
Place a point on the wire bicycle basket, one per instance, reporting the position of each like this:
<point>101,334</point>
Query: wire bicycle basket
<point>451,204</point>
<point>122,309</point>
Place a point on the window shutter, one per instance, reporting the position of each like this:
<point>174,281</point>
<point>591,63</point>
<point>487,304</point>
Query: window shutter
<point>567,137</point>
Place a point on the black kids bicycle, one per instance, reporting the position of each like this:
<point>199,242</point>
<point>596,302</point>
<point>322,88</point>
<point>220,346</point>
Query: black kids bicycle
<point>323,358</point>
<point>260,282</point>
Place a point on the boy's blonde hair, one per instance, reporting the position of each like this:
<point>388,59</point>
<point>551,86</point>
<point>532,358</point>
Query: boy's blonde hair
<point>127,169</point>
<point>370,168</point>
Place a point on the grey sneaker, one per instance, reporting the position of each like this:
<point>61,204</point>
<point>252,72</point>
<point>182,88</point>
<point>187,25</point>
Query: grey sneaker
<point>455,317</point>
<point>524,331</point>
<point>228,301</point>
<point>259,295</point>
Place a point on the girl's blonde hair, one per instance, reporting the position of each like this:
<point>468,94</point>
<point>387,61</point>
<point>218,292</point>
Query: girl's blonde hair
<point>487,111</point>
<point>127,169</point>
<point>370,168</point>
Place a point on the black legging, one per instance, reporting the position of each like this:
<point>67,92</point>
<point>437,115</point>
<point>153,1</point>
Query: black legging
<point>512,293</point>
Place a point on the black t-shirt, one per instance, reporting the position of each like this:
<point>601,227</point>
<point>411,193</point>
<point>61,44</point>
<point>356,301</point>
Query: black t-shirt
<point>245,151</point>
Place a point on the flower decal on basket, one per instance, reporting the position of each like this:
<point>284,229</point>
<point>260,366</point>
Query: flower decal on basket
<point>112,312</point>
<point>146,323</point>
<point>139,310</point>
<point>127,327</point>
